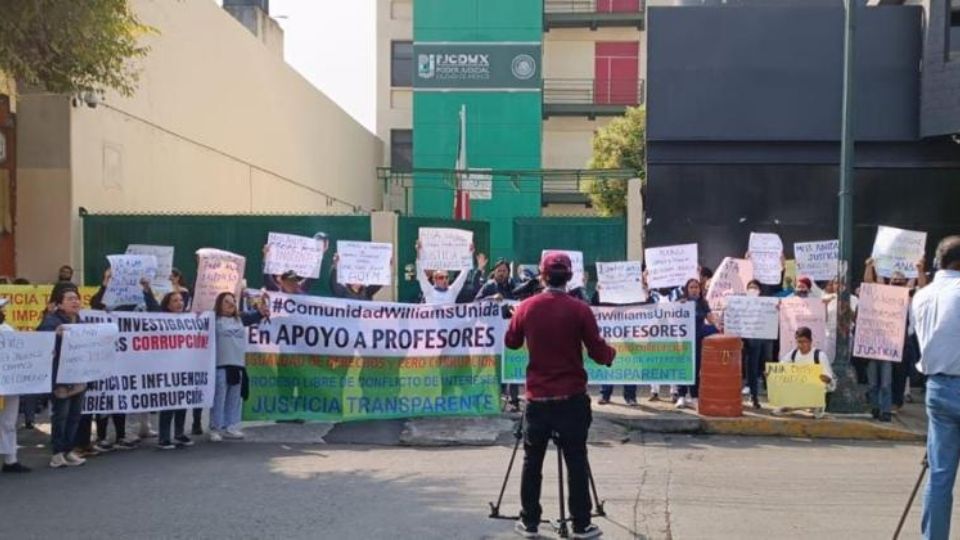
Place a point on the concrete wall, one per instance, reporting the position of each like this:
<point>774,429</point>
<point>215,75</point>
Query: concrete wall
<point>568,141</point>
<point>394,105</point>
<point>569,52</point>
<point>219,124</point>
<point>940,105</point>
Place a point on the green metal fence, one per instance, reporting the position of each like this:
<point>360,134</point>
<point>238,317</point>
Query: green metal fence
<point>600,239</point>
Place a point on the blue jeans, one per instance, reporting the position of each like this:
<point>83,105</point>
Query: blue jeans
<point>879,379</point>
<point>629,391</point>
<point>227,404</point>
<point>64,421</point>
<point>943,454</point>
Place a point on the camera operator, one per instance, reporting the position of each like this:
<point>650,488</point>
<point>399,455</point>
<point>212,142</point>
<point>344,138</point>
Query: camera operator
<point>936,309</point>
<point>556,327</point>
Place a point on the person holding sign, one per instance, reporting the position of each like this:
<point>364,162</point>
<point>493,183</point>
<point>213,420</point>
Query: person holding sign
<point>350,291</point>
<point>556,329</point>
<point>9,410</point>
<point>705,325</point>
<point>66,404</point>
<point>804,353</point>
<point>500,286</point>
<point>440,291</point>
<point>758,351</point>
<point>172,302</point>
<point>289,282</point>
<point>936,309</point>
<point>231,362</point>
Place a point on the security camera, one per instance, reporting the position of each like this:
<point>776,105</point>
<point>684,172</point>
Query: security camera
<point>91,98</point>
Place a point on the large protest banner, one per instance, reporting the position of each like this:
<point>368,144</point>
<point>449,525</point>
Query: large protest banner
<point>796,312</point>
<point>163,361</point>
<point>654,343</point>
<point>26,362</point>
<point>87,352</point>
<point>817,260</point>
<point>126,271</point>
<point>576,262</point>
<point>766,253</point>
<point>164,254</point>
<point>217,271</point>
<point>671,266</point>
<point>302,254</point>
<point>751,317</point>
<point>336,360</point>
<point>730,279</point>
<point>881,322</point>
<point>366,263</point>
<point>621,282</point>
<point>27,303</point>
<point>445,249</point>
<point>796,386</point>
<point>898,250</point>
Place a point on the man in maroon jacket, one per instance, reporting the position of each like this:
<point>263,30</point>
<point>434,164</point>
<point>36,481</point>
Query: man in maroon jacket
<point>556,328</point>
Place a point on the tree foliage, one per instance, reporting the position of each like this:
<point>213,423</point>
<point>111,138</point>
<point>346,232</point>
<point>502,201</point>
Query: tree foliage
<point>619,145</point>
<point>68,46</point>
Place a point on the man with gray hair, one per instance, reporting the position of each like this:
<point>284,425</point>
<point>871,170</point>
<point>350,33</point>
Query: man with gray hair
<point>936,309</point>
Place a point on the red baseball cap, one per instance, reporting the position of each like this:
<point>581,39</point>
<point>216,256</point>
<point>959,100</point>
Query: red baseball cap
<point>556,261</point>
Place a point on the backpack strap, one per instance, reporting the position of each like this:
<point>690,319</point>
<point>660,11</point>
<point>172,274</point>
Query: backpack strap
<point>816,356</point>
<point>793,356</point>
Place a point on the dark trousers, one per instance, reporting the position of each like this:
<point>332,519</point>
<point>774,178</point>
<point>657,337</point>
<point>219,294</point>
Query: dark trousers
<point>693,391</point>
<point>119,425</point>
<point>197,416</point>
<point>629,391</point>
<point>28,406</point>
<point>64,422</point>
<point>570,419</point>
<point>513,390</point>
<point>178,417</point>
<point>758,352</point>
<point>84,431</point>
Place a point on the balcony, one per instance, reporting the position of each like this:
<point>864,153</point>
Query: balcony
<point>592,14</point>
<point>591,97</point>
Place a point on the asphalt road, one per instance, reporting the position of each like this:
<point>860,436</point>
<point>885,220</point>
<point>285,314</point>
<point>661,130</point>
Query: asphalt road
<point>674,487</point>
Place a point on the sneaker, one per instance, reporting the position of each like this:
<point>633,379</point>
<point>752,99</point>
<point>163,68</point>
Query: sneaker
<point>123,444</point>
<point>590,531</point>
<point>166,445</point>
<point>756,403</point>
<point>885,417</point>
<point>654,397</point>
<point>745,391</point>
<point>133,439</point>
<point>15,468</point>
<point>818,413</point>
<point>674,397</point>
<point>526,531</point>
<point>681,403</point>
<point>234,434</point>
<point>149,434</point>
<point>73,459</point>
<point>631,402</point>
<point>215,436</point>
<point>58,461</point>
<point>197,430</point>
<point>603,401</point>
<point>103,447</point>
<point>183,440</point>
<point>90,451</point>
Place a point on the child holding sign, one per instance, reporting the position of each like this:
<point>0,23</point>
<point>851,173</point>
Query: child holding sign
<point>804,353</point>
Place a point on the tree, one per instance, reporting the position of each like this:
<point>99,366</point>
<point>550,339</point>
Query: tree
<point>619,145</point>
<point>70,46</point>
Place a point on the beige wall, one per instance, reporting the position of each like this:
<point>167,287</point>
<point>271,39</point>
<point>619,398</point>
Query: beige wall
<point>568,53</point>
<point>394,105</point>
<point>218,124</point>
<point>568,141</point>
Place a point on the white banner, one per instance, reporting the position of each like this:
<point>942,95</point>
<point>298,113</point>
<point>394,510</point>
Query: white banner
<point>730,279</point>
<point>445,249</point>
<point>621,282</point>
<point>365,263</point>
<point>818,261</point>
<point>751,317</point>
<point>898,250</point>
<point>881,322</point>
<point>671,266</point>
<point>796,312</point>
<point>766,253</point>
<point>26,362</point>
<point>285,252</point>
<point>126,271</point>
<point>164,254</point>
<point>478,183</point>
<point>576,261</point>
<point>217,271</point>
<point>87,353</point>
<point>164,361</point>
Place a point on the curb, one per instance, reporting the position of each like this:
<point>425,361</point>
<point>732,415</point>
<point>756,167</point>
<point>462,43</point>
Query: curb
<point>808,428</point>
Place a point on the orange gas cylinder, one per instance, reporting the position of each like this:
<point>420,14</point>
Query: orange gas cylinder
<point>720,376</point>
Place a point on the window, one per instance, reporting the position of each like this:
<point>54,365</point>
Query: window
<point>953,30</point>
<point>401,150</point>
<point>401,63</point>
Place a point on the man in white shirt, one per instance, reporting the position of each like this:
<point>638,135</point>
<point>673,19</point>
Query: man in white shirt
<point>441,291</point>
<point>936,312</point>
<point>9,410</point>
<point>804,353</point>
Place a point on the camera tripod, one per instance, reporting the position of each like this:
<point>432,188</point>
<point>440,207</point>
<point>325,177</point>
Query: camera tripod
<point>913,495</point>
<point>560,526</point>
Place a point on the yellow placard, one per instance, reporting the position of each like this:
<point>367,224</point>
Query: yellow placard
<point>795,386</point>
<point>789,274</point>
<point>27,303</point>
